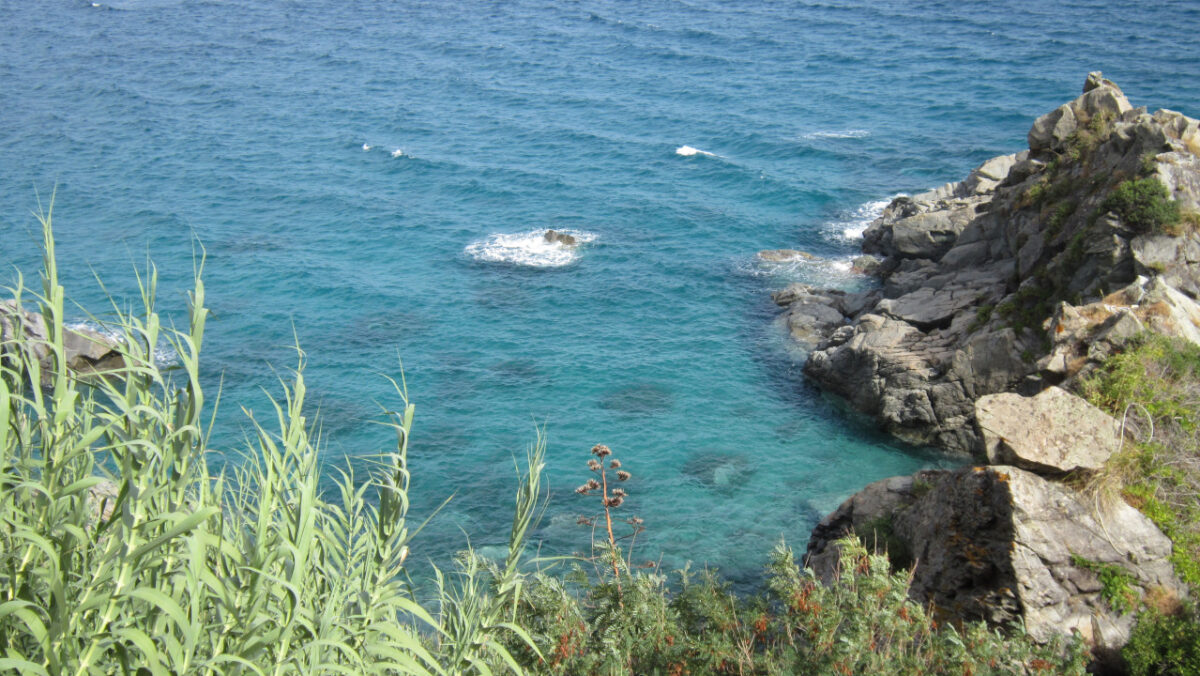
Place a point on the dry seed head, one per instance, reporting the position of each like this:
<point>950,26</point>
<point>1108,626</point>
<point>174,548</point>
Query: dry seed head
<point>582,490</point>
<point>619,492</point>
<point>592,485</point>
<point>600,450</point>
<point>623,475</point>
<point>613,501</point>
<point>594,465</point>
<point>633,521</point>
<point>615,463</point>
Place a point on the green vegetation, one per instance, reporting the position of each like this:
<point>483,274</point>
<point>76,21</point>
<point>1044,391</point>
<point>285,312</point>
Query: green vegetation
<point>861,623</point>
<point>1143,204</point>
<point>1058,218</point>
<point>1154,386</point>
<point>1085,139</point>
<point>1165,642</point>
<point>983,315</point>
<point>1115,583</point>
<point>1029,307</point>
<point>121,552</point>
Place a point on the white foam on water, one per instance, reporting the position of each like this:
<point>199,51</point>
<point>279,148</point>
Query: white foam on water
<point>366,147</point>
<point>815,270</point>
<point>836,134</point>
<point>688,151</point>
<point>853,225</point>
<point>528,249</point>
<point>397,153</point>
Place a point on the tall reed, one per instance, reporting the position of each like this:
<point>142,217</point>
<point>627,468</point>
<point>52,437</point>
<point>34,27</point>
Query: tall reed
<point>123,551</point>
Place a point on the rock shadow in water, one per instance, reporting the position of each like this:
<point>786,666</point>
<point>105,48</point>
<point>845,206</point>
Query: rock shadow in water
<point>642,399</point>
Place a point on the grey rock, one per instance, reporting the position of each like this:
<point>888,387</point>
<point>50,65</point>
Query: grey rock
<point>1054,432</point>
<point>965,262</point>
<point>1052,128</point>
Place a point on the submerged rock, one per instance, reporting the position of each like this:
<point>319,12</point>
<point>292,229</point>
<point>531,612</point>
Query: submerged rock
<point>784,255</point>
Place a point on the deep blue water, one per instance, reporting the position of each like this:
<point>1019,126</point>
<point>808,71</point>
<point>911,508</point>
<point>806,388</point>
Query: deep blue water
<point>353,168</point>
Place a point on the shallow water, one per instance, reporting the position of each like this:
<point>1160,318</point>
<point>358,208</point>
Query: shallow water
<point>374,176</point>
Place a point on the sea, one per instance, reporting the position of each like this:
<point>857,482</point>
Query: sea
<point>370,180</point>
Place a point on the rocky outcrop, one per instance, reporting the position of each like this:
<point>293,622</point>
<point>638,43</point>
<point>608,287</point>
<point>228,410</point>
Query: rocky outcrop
<point>1002,544</point>
<point>971,272</point>
<point>85,351</point>
<point>997,295</point>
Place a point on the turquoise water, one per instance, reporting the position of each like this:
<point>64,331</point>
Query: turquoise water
<point>372,176</point>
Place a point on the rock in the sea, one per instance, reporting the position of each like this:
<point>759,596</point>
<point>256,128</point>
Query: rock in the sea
<point>560,237</point>
<point>1001,544</point>
<point>785,255</point>
<point>86,351</point>
<point>1053,432</point>
<point>866,265</point>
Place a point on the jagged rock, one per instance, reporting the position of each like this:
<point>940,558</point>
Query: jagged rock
<point>560,237</point>
<point>1001,544</point>
<point>1084,336</point>
<point>1176,259</point>
<point>925,234</point>
<point>1053,432</point>
<point>784,255</point>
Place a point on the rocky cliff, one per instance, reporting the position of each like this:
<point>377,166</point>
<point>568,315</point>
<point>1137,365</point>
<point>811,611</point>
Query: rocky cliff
<point>1092,228</point>
<point>996,295</point>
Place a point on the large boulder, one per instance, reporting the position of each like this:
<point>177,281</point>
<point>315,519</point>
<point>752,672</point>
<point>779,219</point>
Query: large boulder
<point>1001,544</point>
<point>1053,432</point>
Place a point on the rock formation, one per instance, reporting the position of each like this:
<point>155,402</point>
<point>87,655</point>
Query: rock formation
<point>996,295</point>
<point>970,271</point>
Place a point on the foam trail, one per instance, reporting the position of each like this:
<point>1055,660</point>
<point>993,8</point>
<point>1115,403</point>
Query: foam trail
<point>397,153</point>
<point>688,151</point>
<point>529,249</point>
<point>837,134</point>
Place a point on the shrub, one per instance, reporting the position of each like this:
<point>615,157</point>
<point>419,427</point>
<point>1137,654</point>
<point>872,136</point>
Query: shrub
<point>1164,643</point>
<point>1143,204</point>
